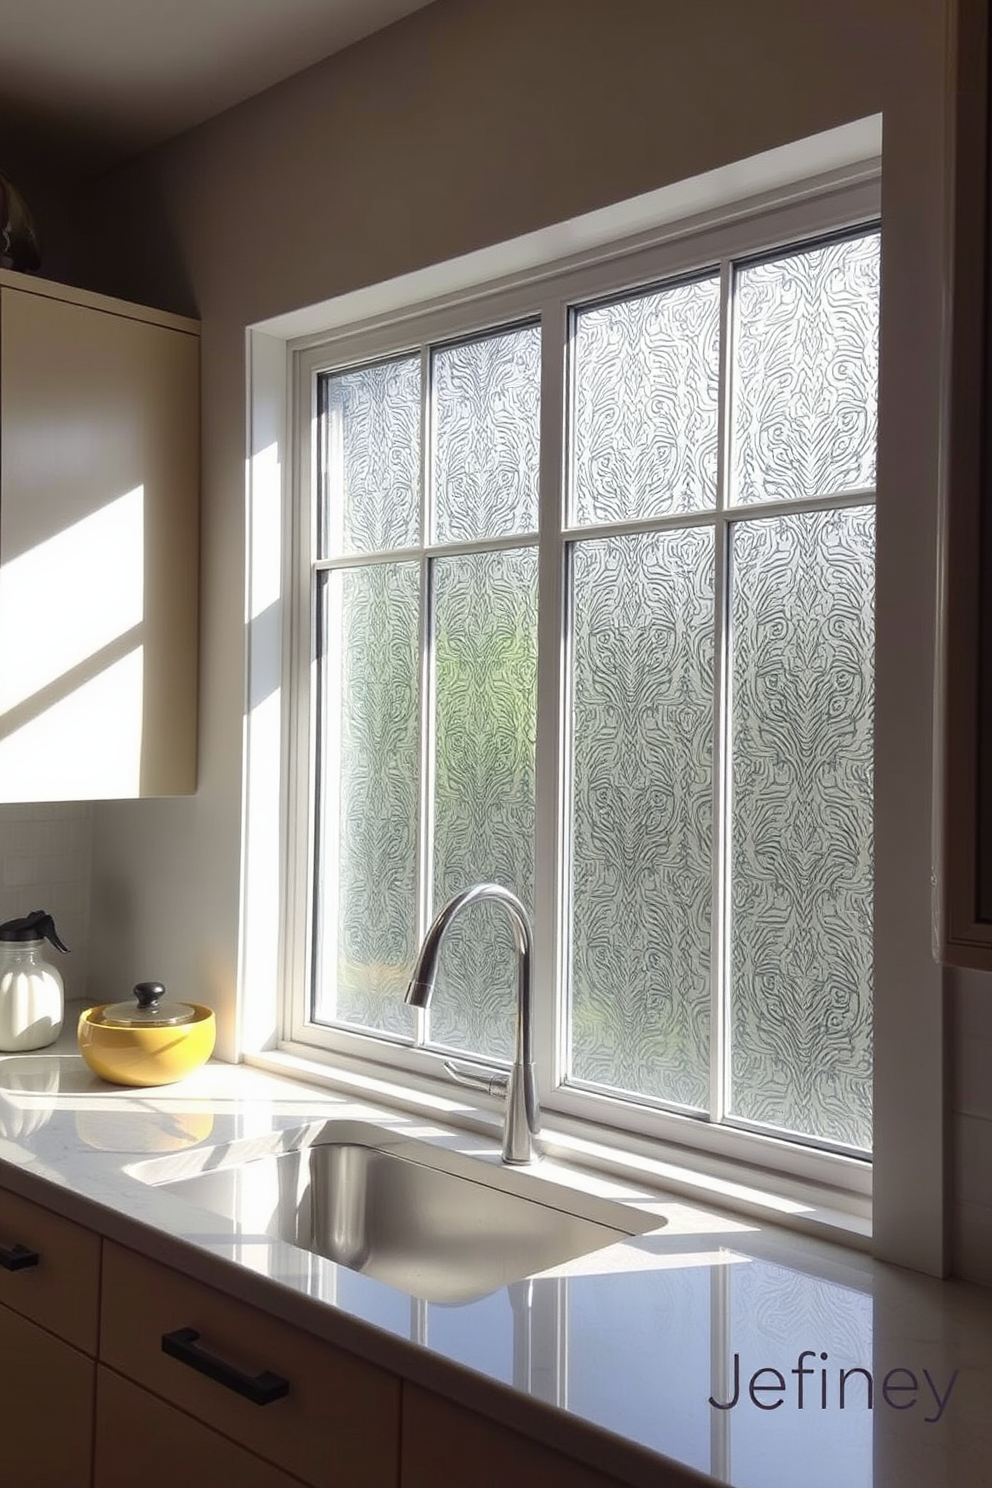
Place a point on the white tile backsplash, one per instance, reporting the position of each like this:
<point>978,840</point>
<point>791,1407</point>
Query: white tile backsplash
<point>45,862</point>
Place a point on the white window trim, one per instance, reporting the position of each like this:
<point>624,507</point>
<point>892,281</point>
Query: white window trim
<point>268,484</point>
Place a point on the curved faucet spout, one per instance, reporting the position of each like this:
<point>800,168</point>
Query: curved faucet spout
<point>523,1119</point>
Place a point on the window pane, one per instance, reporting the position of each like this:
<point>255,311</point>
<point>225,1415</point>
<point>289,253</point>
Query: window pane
<point>806,372</point>
<point>368,784</point>
<point>641,815</point>
<point>371,488</point>
<point>486,401</point>
<point>802,647</point>
<point>644,441</point>
<point>485,616</point>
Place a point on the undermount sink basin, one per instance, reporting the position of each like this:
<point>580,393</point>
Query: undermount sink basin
<point>425,1219</point>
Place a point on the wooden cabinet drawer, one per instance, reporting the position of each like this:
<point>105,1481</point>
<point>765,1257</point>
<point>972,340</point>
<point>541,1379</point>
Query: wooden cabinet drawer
<point>337,1425</point>
<point>141,1440</point>
<point>46,1408</point>
<point>445,1446</point>
<point>61,1290</point>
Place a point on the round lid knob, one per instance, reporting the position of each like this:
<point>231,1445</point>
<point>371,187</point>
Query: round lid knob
<point>150,1009</point>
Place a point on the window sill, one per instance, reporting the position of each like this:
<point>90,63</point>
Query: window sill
<point>816,1210</point>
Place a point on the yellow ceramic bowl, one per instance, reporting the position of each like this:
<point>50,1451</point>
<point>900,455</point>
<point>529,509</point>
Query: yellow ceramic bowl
<point>146,1056</point>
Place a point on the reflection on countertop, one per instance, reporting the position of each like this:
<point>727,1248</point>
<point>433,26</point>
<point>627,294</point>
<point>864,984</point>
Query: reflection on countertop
<point>761,1358</point>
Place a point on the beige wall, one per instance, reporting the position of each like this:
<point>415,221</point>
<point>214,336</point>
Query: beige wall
<point>471,122</point>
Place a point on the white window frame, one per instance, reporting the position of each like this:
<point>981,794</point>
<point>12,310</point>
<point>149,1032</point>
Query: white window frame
<point>814,209</point>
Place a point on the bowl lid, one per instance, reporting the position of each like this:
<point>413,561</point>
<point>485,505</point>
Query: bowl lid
<point>150,1009</point>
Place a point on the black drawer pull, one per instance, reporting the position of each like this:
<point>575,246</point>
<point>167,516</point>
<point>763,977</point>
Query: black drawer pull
<point>17,1257</point>
<point>260,1389</point>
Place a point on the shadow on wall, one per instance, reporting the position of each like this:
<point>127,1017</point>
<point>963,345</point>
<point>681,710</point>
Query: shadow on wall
<point>130,253</point>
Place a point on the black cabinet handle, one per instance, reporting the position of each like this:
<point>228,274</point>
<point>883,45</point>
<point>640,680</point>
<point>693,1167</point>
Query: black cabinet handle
<point>17,1257</point>
<point>260,1389</point>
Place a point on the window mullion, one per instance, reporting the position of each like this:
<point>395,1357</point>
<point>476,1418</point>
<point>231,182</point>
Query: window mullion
<point>550,960</point>
<point>720,922</point>
<point>425,834</point>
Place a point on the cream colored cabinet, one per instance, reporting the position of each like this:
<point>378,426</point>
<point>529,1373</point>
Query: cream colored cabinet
<point>301,1406</point>
<point>141,1440</point>
<point>50,1271</point>
<point>49,1284</point>
<point>46,1407</point>
<point>99,473</point>
<point>445,1446</point>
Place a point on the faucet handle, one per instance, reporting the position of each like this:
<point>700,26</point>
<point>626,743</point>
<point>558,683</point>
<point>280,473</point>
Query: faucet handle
<point>494,1082</point>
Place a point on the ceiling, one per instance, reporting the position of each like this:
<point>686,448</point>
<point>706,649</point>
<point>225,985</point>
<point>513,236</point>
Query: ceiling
<point>104,79</point>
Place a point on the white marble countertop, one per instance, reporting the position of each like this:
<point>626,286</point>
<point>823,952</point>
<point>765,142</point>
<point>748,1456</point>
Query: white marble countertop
<point>616,1357</point>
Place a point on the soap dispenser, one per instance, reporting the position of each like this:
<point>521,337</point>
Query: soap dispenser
<point>31,990</point>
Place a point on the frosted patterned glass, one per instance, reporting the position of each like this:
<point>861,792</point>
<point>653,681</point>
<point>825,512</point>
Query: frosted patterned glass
<point>641,813</point>
<point>371,489</point>
<point>485,609</point>
<point>644,440</point>
<point>486,401</point>
<point>801,938</point>
<point>806,371</point>
<point>369,775</point>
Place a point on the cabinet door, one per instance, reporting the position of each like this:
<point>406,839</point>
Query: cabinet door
<point>445,1446</point>
<point>142,1441</point>
<point>99,453</point>
<point>46,1408</point>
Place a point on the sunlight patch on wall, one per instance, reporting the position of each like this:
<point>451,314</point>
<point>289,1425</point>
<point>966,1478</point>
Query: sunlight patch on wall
<point>91,763</point>
<point>93,571</point>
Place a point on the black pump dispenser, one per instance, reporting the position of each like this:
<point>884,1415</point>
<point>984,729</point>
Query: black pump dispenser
<point>38,925</point>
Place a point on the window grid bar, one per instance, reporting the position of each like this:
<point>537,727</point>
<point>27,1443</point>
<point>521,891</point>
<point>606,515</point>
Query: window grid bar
<point>566,728</point>
<point>425,824</point>
<point>719,902</point>
<point>676,523</point>
<point>300,733</point>
<point>829,502</point>
<point>438,550</point>
<point>679,521</point>
<point>551,1012</point>
<point>565,844</point>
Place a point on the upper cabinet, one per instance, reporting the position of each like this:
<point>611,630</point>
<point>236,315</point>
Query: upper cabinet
<point>99,479</point>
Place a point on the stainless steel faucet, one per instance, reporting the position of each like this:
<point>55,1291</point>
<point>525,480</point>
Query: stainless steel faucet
<point>519,1088</point>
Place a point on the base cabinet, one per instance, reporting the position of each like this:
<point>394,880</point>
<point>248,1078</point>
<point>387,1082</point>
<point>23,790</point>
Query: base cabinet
<point>49,1290</point>
<point>46,1408</point>
<point>141,1440</point>
<point>445,1446</point>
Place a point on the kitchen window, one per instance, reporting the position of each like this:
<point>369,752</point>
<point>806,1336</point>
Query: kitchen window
<point>585,607</point>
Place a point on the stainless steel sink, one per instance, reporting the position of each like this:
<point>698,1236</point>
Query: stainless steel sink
<point>424,1219</point>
